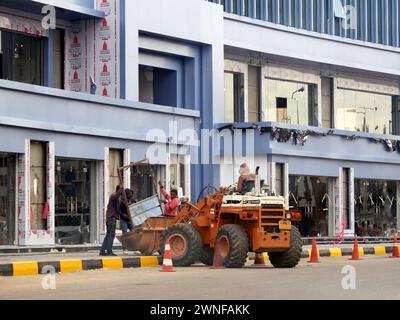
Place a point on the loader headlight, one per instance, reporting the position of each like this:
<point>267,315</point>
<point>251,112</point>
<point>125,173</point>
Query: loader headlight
<point>289,216</point>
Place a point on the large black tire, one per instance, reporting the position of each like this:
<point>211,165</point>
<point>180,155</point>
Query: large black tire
<point>291,257</point>
<point>234,245</point>
<point>185,242</point>
<point>207,256</point>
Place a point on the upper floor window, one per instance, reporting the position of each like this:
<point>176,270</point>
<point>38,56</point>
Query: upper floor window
<point>158,86</point>
<point>290,102</point>
<point>234,97</point>
<point>21,57</point>
<point>363,111</point>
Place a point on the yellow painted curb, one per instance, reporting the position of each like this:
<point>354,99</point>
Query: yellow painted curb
<point>27,268</point>
<point>70,266</point>
<point>361,252</point>
<point>266,256</point>
<point>335,252</point>
<point>112,263</point>
<point>149,262</point>
<point>380,250</point>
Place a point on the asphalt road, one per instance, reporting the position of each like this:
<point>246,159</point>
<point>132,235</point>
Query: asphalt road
<point>376,278</point>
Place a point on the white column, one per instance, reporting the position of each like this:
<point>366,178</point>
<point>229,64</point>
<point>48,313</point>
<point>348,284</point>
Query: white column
<point>127,173</point>
<point>286,184</point>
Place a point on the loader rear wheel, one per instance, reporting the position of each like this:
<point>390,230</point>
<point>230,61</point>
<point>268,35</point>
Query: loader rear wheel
<point>207,256</point>
<point>233,245</point>
<point>291,257</point>
<point>185,242</point>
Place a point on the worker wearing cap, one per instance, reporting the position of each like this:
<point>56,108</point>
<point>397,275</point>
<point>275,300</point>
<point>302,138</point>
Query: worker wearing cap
<point>172,202</point>
<point>245,175</point>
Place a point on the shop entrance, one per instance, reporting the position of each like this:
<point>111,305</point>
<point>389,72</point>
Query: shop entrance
<point>312,195</point>
<point>375,208</point>
<point>73,201</point>
<point>7,199</point>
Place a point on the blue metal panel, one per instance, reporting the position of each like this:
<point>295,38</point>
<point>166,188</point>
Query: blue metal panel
<point>331,18</point>
<point>362,23</point>
<point>275,11</point>
<point>374,20</point>
<point>309,15</point>
<point>287,12</point>
<point>385,22</point>
<point>395,23</point>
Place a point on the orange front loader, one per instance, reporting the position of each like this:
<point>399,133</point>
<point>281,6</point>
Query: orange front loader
<point>254,222</point>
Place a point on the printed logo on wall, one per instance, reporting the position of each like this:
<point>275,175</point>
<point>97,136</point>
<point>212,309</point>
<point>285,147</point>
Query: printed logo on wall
<point>74,58</point>
<point>99,60</point>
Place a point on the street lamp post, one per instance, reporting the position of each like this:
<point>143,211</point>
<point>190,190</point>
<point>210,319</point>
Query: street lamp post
<point>302,89</point>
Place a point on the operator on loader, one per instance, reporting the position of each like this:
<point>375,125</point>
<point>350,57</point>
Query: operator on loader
<point>245,177</point>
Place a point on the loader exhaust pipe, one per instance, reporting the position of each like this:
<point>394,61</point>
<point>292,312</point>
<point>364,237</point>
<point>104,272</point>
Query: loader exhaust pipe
<point>258,182</point>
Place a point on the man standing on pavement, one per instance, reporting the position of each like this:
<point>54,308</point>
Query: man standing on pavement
<point>125,222</point>
<point>172,202</point>
<point>113,214</point>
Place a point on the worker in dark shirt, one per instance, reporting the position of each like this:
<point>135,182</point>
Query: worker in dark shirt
<point>125,222</point>
<point>113,214</point>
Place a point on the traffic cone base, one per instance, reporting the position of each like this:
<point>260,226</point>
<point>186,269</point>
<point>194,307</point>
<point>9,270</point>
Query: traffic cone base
<point>356,252</point>
<point>314,253</point>
<point>395,254</point>
<point>217,263</point>
<point>259,261</point>
<point>167,261</point>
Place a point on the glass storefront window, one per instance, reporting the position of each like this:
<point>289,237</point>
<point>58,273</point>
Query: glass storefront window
<point>21,57</point>
<point>311,196</point>
<point>234,97</point>
<point>73,201</point>
<point>288,102</point>
<point>363,111</point>
<point>375,208</point>
<point>7,199</point>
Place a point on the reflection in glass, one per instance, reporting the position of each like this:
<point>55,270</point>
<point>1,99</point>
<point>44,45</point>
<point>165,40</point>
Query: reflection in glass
<point>363,111</point>
<point>21,57</point>
<point>7,199</point>
<point>73,201</point>
<point>287,102</point>
<point>312,196</point>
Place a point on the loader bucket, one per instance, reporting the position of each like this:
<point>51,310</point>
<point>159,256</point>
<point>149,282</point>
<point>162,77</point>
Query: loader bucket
<point>146,237</point>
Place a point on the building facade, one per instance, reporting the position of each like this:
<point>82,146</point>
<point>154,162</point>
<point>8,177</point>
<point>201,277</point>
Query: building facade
<point>310,88</point>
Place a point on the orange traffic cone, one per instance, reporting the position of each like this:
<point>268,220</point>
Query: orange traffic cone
<point>314,252</point>
<point>356,252</point>
<point>395,249</point>
<point>217,264</point>
<point>167,263</point>
<point>259,261</point>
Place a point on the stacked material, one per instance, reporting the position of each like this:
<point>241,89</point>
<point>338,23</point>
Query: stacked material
<point>145,209</point>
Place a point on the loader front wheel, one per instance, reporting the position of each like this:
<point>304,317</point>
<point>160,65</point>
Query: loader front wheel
<point>291,257</point>
<point>185,242</point>
<point>233,245</point>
